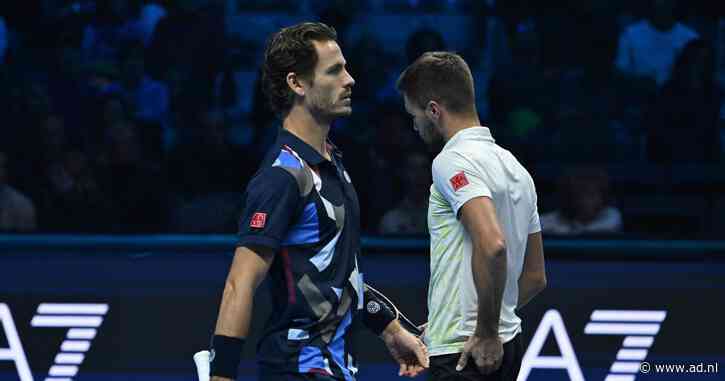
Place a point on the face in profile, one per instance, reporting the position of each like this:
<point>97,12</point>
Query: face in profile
<point>425,127</point>
<point>329,94</point>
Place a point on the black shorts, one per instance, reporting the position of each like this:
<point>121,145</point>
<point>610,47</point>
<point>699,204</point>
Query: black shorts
<point>443,368</point>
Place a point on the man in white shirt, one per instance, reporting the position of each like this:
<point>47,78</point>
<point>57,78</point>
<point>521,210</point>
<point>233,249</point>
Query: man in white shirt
<point>649,48</point>
<point>486,250</point>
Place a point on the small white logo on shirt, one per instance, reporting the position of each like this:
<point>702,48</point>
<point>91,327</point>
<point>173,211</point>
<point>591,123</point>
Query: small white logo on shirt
<point>373,307</point>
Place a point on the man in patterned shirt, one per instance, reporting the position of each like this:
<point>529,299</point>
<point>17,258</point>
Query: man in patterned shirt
<point>486,251</point>
<point>300,226</point>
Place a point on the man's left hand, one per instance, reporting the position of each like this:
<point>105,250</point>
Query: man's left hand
<point>407,350</point>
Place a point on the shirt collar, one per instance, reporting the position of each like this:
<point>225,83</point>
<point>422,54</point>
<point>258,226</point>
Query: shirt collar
<point>475,133</point>
<point>306,152</point>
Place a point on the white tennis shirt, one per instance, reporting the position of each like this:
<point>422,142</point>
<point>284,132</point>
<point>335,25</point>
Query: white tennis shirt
<point>472,165</point>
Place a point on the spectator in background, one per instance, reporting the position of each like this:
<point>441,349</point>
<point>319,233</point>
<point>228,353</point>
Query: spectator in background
<point>683,123</point>
<point>51,142</point>
<point>151,13</point>
<point>207,175</point>
<point>69,199</point>
<point>583,205</point>
<point>29,106</point>
<point>3,40</point>
<point>719,42</point>
<point>522,96</point>
<point>192,35</point>
<point>149,99</point>
<point>410,216</point>
<point>17,212</point>
<point>115,22</point>
<point>103,78</point>
<point>66,84</point>
<point>648,49</point>
<point>368,59</point>
<point>135,187</point>
<point>263,119</point>
<point>209,163</point>
<point>490,50</point>
<point>106,111</point>
<point>231,92</point>
<point>339,14</point>
<point>393,137</point>
<point>423,40</point>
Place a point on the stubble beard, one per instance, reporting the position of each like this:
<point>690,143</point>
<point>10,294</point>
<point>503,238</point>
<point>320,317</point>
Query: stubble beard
<point>329,108</point>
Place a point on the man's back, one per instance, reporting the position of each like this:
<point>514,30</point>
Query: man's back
<point>472,165</point>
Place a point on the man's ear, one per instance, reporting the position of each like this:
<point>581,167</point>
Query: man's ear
<point>433,110</point>
<point>295,84</point>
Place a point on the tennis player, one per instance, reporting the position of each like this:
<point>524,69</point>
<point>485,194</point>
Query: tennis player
<point>486,250</point>
<point>300,226</point>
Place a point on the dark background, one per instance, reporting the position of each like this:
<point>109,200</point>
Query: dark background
<point>93,150</point>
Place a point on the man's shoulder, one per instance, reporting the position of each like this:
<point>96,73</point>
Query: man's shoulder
<point>469,151</point>
<point>449,157</point>
<point>455,152</point>
<point>282,168</point>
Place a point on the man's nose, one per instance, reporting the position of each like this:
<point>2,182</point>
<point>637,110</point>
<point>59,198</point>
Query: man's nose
<point>349,80</point>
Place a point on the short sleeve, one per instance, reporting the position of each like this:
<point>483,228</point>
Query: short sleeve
<point>534,222</point>
<point>270,204</point>
<point>458,180</point>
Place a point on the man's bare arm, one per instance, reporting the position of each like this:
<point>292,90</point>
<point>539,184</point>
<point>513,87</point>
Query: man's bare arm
<point>478,215</point>
<point>245,274</point>
<point>533,277</point>
<point>247,271</point>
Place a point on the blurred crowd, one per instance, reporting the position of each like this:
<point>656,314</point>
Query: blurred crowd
<point>147,116</point>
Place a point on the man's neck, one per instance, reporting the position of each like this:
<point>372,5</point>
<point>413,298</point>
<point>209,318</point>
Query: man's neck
<point>458,123</point>
<point>309,129</point>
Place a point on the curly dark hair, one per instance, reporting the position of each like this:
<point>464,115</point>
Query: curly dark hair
<point>291,51</point>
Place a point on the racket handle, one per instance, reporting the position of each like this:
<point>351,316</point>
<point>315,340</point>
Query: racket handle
<point>201,359</point>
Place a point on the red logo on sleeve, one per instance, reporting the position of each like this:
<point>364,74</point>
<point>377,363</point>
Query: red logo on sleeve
<point>258,220</point>
<point>459,181</point>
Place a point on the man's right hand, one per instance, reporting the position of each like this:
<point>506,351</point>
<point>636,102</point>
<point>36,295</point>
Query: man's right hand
<point>407,350</point>
<point>487,354</point>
